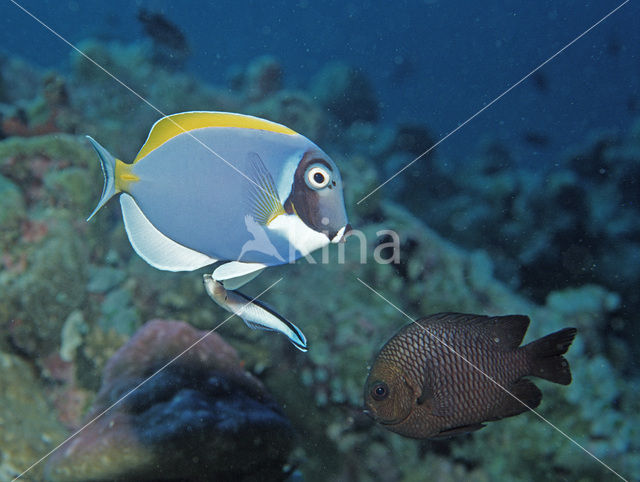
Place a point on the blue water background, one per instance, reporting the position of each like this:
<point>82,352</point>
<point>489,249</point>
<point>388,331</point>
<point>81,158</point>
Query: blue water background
<point>432,62</point>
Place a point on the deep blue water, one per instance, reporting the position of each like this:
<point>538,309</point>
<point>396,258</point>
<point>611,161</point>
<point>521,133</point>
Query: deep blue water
<point>432,62</point>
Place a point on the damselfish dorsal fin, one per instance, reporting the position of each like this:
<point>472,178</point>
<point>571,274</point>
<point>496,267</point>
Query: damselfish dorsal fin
<point>506,331</point>
<point>154,247</point>
<point>170,126</point>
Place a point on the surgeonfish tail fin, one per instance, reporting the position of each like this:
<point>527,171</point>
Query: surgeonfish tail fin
<point>546,356</point>
<point>108,164</point>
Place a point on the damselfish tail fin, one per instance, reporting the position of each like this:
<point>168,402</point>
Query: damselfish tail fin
<point>108,163</point>
<point>546,356</point>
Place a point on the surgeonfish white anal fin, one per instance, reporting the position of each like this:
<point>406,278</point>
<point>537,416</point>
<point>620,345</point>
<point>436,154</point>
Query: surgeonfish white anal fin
<point>254,313</point>
<point>108,164</point>
<point>263,195</point>
<point>154,247</point>
<point>237,269</point>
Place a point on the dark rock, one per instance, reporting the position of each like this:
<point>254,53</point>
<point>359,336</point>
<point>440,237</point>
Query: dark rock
<point>200,418</point>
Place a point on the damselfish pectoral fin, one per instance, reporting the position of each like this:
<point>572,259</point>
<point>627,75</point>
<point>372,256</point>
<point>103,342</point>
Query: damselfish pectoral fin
<point>254,313</point>
<point>437,395</point>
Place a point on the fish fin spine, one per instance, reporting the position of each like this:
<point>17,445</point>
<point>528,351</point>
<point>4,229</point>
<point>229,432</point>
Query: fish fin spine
<point>108,165</point>
<point>263,196</point>
<point>545,356</point>
<point>506,332</point>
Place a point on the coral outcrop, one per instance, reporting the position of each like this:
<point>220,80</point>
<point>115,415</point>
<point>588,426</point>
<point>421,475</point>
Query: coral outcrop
<point>71,292</point>
<point>175,404</point>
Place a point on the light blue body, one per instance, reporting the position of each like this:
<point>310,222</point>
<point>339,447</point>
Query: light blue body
<point>201,202</point>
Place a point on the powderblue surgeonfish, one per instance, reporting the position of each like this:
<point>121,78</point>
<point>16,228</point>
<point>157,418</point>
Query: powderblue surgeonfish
<point>211,187</point>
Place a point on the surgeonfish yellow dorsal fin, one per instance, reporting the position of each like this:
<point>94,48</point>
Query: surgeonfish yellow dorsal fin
<point>170,126</point>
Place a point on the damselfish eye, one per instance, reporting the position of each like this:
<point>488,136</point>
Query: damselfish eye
<point>380,391</point>
<point>317,177</point>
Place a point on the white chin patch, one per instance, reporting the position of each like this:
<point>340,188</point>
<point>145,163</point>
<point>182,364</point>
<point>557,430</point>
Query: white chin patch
<point>338,237</point>
<point>301,237</point>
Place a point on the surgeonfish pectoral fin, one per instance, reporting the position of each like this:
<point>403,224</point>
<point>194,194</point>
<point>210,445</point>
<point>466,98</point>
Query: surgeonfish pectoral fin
<point>263,195</point>
<point>254,313</point>
<point>108,164</point>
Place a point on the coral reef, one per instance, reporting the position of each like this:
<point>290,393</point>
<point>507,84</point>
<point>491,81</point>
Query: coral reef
<point>49,112</point>
<point>200,417</point>
<point>547,228</point>
<point>73,292</point>
<point>263,78</point>
<point>12,206</point>
<point>26,430</point>
<point>294,109</point>
<point>346,93</point>
<point>21,81</point>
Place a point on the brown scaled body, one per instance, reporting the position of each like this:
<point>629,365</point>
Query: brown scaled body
<point>439,376</point>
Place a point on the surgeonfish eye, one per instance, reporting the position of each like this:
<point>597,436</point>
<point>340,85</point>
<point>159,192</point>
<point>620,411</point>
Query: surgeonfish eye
<point>317,177</point>
<point>380,391</point>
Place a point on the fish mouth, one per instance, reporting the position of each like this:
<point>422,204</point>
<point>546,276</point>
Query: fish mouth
<point>394,421</point>
<point>372,414</point>
<point>342,234</point>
